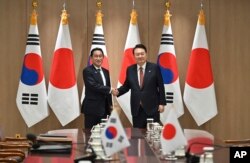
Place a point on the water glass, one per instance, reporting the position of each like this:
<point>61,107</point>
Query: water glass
<point>150,122</point>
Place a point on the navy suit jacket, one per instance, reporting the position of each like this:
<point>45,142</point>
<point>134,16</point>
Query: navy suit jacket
<point>151,95</point>
<point>97,99</point>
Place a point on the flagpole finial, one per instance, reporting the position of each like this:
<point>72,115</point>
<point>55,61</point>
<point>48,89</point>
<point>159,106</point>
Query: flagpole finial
<point>99,4</point>
<point>201,19</point>
<point>167,14</point>
<point>167,5</point>
<point>99,14</point>
<point>33,19</point>
<point>133,16</point>
<point>34,4</point>
<point>64,16</point>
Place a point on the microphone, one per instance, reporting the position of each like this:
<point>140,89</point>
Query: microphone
<point>89,156</point>
<point>33,139</point>
<point>41,144</point>
<point>53,140</point>
<point>192,158</point>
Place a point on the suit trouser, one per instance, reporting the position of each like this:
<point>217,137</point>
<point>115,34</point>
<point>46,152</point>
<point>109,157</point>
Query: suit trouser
<point>91,120</point>
<point>140,120</point>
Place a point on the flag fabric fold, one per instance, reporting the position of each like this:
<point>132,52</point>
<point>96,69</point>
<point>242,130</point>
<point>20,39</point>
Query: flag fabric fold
<point>172,136</point>
<point>133,38</point>
<point>63,95</point>
<point>199,93</point>
<point>31,95</point>
<point>169,70</point>
<point>98,41</point>
<point>113,136</point>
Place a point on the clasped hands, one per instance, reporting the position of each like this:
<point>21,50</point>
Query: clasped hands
<point>114,91</point>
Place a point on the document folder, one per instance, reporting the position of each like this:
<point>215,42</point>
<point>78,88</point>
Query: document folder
<point>59,149</point>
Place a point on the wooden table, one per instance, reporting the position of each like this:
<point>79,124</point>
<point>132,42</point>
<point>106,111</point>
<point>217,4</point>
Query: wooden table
<point>139,152</point>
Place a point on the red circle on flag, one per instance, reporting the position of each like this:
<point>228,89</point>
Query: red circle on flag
<point>62,71</point>
<point>169,131</point>
<point>199,73</point>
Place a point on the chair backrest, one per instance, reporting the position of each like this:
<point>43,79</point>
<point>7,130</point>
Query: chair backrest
<point>13,150</point>
<point>11,155</point>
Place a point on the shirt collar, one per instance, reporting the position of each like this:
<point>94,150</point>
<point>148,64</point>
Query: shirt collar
<point>97,67</point>
<point>143,66</point>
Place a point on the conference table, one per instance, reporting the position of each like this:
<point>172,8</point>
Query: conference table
<point>140,150</point>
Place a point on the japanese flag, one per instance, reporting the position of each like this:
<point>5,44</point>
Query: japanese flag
<point>133,38</point>
<point>199,93</point>
<point>63,95</point>
<point>172,136</point>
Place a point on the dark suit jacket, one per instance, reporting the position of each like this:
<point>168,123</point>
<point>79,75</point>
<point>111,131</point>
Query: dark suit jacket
<point>152,93</point>
<point>97,99</point>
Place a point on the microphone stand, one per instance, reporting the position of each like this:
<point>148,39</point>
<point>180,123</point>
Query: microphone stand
<point>89,156</point>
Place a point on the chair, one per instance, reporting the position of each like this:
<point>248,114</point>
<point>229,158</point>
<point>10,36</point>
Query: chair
<point>11,155</point>
<point>13,150</point>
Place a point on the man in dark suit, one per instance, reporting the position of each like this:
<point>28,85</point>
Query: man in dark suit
<point>147,89</point>
<point>97,103</point>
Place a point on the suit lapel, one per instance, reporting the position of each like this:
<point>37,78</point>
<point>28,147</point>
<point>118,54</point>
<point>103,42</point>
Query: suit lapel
<point>146,74</point>
<point>106,76</point>
<point>135,76</point>
<point>97,75</point>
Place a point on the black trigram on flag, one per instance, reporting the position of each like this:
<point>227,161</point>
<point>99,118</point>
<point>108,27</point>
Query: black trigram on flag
<point>29,98</point>
<point>120,139</point>
<point>167,39</point>
<point>170,97</point>
<point>112,120</point>
<point>109,145</point>
<point>98,39</point>
<point>33,39</point>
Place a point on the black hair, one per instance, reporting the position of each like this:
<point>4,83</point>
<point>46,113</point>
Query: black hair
<point>139,46</point>
<point>95,49</point>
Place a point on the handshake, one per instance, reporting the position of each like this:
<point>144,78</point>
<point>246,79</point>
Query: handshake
<point>114,91</point>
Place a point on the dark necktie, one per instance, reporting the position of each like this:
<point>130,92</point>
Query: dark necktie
<point>141,76</point>
<point>99,71</point>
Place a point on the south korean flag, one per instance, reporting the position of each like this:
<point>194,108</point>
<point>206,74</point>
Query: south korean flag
<point>113,136</point>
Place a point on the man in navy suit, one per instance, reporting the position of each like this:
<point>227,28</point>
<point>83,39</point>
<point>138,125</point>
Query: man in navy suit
<point>147,89</point>
<point>97,103</point>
